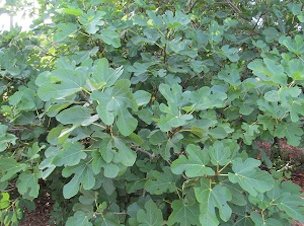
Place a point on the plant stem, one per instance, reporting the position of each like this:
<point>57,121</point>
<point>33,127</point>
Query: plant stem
<point>224,167</point>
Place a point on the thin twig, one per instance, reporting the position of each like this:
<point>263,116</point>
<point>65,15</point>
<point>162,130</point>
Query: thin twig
<point>258,20</point>
<point>235,8</point>
<point>136,148</point>
<point>192,6</point>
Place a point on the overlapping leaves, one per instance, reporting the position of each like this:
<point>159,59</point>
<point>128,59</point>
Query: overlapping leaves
<point>149,111</point>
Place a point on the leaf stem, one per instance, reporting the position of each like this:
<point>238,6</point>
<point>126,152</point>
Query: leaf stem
<point>85,90</point>
<point>99,125</point>
<point>224,167</point>
<point>119,213</point>
<point>178,194</point>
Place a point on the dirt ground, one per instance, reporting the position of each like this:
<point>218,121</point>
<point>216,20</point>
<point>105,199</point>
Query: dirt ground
<point>41,215</point>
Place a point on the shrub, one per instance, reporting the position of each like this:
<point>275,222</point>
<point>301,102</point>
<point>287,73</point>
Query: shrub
<point>149,112</point>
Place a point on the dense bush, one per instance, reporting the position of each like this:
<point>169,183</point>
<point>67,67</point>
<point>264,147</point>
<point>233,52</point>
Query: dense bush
<point>149,112</point>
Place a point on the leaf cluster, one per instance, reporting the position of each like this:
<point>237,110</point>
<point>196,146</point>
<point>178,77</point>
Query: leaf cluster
<point>149,112</point>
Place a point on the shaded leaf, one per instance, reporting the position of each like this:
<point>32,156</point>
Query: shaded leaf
<point>79,218</point>
<point>28,185</point>
<point>151,215</point>
<point>185,215</point>
<point>160,182</point>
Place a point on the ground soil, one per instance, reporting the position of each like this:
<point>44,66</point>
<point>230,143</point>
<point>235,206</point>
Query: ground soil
<point>41,215</point>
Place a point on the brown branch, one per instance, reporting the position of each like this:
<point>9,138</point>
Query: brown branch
<point>138,149</point>
<point>192,6</point>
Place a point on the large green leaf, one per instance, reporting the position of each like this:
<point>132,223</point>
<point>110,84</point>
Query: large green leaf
<point>83,176</point>
<point>103,75</point>
<point>92,20</point>
<point>64,30</point>
<point>215,32</point>
<point>126,123</point>
<point>292,131</point>
<point>24,99</point>
<point>230,74</point>
<point>250,177</point>
<point>110,37</point>
<point>124,155</point>
<point>230,53</point>
<point>60,83</point>
<point>194,165</point>
<point>142,97</point>
<point>292,205</point>
<point>79,218</point>
<point>113,156</point>
<point>109,219</point>
<point>74,115</point>
<point>172,117</point>
<point>160,182</point>
<point>219,153</point>
<point>206,98</point>
<point>151,215</point>
<point>250,132</point>
<point>210,198</point>
<point>295,69</point>
<point>269,71</point>
<point>9,168</point>
<point>285,196</point>
<point>295,45</point>
<point>69,155</point>
<point>28,185</point>
<point>173,94</point>
<point>259,220</point>
<point>113,102</point>
<point>183,214</point>
<point>6,138</point>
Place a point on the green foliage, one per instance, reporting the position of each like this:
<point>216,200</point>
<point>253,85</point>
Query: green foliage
<point>195,165</point>
<point>150,216</point>
<point>79,218</point>
<point>6,138</point>
<point>249,177</point>
<point>183,213</point>
<point>149,112</point>
<point>210,198</point>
